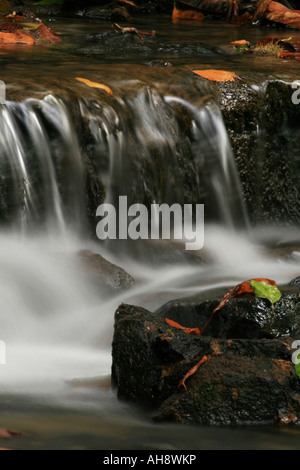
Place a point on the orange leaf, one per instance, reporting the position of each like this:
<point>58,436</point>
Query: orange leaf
<point>127,3</point>
<point>187,15</point>
<point>216,75</point>
<point>241,42</point>
<point>192,371</point>
<point>95,85</point>
<point>288,54</point>
<point>18,37</point>
<point>176,325</point>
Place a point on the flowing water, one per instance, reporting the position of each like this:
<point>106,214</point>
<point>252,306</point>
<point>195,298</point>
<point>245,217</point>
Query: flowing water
<point>56,323</point>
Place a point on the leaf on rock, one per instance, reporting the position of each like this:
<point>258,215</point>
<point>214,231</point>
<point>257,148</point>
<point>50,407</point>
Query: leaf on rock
<point>192,371</point>
<point>264,290</point>
<point>95,85</point>
<point>217,75</point>
<point>242,288</point>
<point>176,325</point>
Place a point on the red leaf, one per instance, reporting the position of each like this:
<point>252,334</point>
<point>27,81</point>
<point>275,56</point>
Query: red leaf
<point>174,324</point>
<point>243,288</point>
<point>192,371</point>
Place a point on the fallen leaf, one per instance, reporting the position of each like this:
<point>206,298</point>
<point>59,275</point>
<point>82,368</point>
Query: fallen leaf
<point>95,85</point>
<point>242,288</point>
<point>16,17</point>
<point>186,15</point>
<point>44,34</point>
<point>265,290</point>
<point>127,2</point>
<point>267,40</point>
<point>216,75</point>
<point>176,325</point>
<point>284,54</point>
<point>19,37</point>
<point>240,42</point>
<point>192,371</point>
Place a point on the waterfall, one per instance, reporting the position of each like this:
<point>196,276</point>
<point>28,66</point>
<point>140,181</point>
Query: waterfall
<point>40,162</point>
<point>148,145</point>
<point>157,148</point>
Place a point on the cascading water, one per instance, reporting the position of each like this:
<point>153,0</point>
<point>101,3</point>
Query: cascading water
<point>41,165</point>
<point>58,325</point>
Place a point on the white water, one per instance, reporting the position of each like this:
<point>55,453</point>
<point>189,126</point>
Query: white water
<point>56,323</point>
<point>58,327</point>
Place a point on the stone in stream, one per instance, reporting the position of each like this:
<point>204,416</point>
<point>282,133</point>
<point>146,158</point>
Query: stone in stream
<point>100,268</point>
<point>248,377</point>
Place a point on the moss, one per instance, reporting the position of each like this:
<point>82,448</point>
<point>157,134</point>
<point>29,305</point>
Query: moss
<point>207,393</point>
<point>268,49</point>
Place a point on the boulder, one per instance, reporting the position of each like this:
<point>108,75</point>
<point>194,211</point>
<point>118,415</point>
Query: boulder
<point>247,375</point>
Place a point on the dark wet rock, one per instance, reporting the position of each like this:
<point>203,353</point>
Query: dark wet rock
<point>128,43</point>
<point>261,125</point>
<point>229,389</point>
<point>295,282</point>
<point>100,268</point>
<point>248,377</point>
<point>160,63</point>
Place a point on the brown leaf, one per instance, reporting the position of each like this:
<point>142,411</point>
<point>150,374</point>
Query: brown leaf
<point>281,14</point>
<point>44,34</point>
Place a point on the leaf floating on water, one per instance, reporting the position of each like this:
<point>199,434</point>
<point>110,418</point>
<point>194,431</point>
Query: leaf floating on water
<point>264,290</point>
<point>192,371</point>
<point>216,75</point>
<point>176,325</point>
<point>95,85</point>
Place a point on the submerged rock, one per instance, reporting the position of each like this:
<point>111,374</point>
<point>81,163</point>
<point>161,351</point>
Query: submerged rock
<point>248,376</point>
<point>100,268</point>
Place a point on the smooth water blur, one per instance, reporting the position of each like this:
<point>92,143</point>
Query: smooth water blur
<point>56,323</point>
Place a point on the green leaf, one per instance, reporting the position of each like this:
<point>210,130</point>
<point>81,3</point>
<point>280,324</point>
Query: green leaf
<point>265,290</point>
<point>50,2</point>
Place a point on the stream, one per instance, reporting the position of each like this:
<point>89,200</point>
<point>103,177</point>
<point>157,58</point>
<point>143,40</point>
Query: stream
<point>56,324</point>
